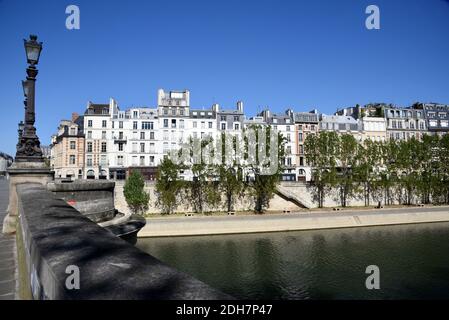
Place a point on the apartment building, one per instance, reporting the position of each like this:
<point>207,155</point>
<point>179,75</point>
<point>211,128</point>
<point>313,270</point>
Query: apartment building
<point>283,123</point>
<point>341,124</point>
<point>306,123</point>
<point>437,116</point>
<point>405,123</point>
<point>67,149</point>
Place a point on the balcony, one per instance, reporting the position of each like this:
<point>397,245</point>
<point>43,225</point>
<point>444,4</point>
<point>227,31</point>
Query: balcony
<point>118,139</point>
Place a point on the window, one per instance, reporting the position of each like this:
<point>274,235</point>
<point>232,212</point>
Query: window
<point>236,118</point>
<point>72,131</point>
<point>287,128</point>
<point>120,135</point>
<point>223,126</point>
<point>173,112</point>
<point>300,138</point>
<point>103,135</point>
<point>134,148</point>
<point>103,124</point>
<point>72,145</point>
<point>142,147</point>
<point>142,135</point>
<point>134,161</point>
<point>135,125</point>
<point>210,125</point>
<point>312,127</point>
<point>103,147</point>
<point>103,160</point>
<point>72,159</point>
<point>89,134</point>
<point>165,147</point>
<point>433,123</point>
<point>300,127</point>
<point>152,135</point>
<point>89,123</point>
<point>165,123</point>
<point>120,160</point>
<point>142,160</point>
<point>165,137</point>
<point>89,161</point>
<point>165,112</point>
<point>194,124</point>
<point>152,150</point>
<point>181,112</point>
<point>301,149</point>
<point>120,124</point>
<point>113,124</point>
<point>223,118</point>
<point>151,160</point>
<point>120,146</point>
<point>421,125</point>
<point>236,126</point>
<point>135,114</point>
<point>89,147</point>
<point>147,125</point>
<point>301,161</point>
<point>181,124</point>
<point>444,123</point>
<point>173,123</point>
<point>393,123</point>
<point>202,125</point>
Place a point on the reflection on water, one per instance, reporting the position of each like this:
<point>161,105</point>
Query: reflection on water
<point>320,264</point>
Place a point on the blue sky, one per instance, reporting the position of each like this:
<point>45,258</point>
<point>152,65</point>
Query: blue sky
<point>300,54</point>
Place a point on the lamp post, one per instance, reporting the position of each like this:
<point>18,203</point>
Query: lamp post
<point>28,148</point>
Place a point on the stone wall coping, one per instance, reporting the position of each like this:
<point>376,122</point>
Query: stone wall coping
<point>57,236</point>
<point>80,186</point>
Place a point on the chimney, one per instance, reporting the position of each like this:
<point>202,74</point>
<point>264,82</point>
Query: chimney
<point>75,116</point>
<point>215,107</point>
<point>240,106</point>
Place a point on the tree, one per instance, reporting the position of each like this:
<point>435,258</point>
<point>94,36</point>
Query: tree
<point>261,185</point>
<point>321,154</point>
<point>168,186</point>
<point>347,160</point>
<point>135,195</point>
<point>231,185</point>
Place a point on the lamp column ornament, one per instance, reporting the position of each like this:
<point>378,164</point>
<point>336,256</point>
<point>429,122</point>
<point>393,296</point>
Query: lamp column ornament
<point>28,149</point>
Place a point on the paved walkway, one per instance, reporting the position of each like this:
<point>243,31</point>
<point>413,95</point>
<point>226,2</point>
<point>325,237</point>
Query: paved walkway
<point>7,247</point>
<point>202,225</point>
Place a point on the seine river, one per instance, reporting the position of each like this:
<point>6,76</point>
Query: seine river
<point>321,264</point>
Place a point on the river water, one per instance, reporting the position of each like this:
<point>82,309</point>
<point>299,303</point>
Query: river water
<point>322,264</point>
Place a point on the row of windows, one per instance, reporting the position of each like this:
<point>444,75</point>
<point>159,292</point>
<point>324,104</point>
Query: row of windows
<point>411,125</point>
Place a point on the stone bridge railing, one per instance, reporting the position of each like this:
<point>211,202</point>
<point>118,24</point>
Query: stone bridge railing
<point>56,243</point>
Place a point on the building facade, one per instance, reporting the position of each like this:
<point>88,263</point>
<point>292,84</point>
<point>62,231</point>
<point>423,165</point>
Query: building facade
<point>67,149</point>
<point>405,123</point>
<point>306,123</point>
<point>437,116</point>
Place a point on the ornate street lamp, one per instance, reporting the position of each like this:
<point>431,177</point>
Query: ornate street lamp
<point>32,49</point>
<point>28,148</point>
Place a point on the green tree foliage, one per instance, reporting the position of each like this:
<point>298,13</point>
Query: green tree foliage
<point>168,188</point>
<point>135,195</point>
<point>262,186</point>
<point>321,152</point>
<point>404,171</point>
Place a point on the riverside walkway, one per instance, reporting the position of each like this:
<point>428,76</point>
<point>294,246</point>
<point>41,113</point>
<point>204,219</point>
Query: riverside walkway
<point>7,248</point>
<point>205,225</point>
